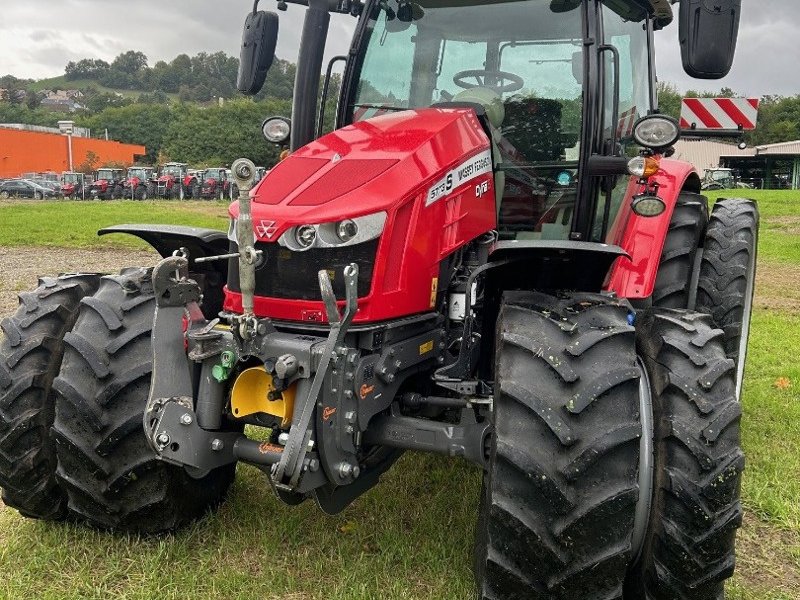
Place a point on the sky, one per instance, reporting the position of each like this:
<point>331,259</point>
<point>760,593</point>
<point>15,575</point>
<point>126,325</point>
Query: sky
<point>39,38</point>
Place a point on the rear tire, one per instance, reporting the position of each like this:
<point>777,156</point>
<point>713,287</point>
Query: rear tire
<point>561,489</point>
<point>678,259</point>
<point>728,273</point>
<point>31,349</point>
<point>112,477</point>
<point>688,551</point>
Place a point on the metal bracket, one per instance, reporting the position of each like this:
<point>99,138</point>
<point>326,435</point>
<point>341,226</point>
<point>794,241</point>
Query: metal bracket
<point>464,439</point>
<point>296,446</point>
<point>181,441</point>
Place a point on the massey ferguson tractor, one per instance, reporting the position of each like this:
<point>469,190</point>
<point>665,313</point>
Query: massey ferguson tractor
<point>138,185</point>
<point>379,292</point>
<point>75,186</point>
<point>174,182</point>
<point>107,184</point>
<point>217,184</point>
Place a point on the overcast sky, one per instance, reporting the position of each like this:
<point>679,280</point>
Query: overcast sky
<point>37,38</point>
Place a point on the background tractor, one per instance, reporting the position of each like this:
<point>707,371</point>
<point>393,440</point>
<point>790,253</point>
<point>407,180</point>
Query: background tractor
<point>107,184</point>
<point>75,186</point>
<point>479,262</point>
<point>217,184</point>
<point>138,185</point>
<point>175,182</point>
<point>723,179</point>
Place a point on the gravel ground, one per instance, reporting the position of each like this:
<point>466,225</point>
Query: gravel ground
<point>20,267</point>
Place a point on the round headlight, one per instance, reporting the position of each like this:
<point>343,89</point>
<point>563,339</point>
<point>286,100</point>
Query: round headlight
<point>648,206</point>
<point>346,230</point>
<point>656,131</point>
<point>305,236</point>
<point>276,129</point>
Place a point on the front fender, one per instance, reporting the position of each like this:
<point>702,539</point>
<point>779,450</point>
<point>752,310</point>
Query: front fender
<point>198,242</point>
<point>643,237</point>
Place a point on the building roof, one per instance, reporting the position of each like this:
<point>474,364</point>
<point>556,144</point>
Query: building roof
<point>705,154</point>
<point>781,148</point>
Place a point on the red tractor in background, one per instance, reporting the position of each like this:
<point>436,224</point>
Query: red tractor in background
<point>479,262</point>
<point>174,182</point>
<point>75,186</point>
<point>217,184</point>
<point>139,183</point>
<point>107,184</point>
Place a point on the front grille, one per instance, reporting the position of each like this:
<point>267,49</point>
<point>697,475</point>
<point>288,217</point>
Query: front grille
<point>282,273</point>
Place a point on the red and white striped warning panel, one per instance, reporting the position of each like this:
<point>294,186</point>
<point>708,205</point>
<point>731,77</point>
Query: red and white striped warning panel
<point>626,122</point>
<point>719,114</point>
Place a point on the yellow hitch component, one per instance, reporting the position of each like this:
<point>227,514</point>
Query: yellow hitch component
<point>250,395</point>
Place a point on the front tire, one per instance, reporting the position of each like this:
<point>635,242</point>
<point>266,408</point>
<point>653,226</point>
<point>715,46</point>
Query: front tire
<point>688,551</point>
<point>31,349</point>
<point>684,240</point>
<point>111,476</point>
<point>561,489</point>
<point>728,274</point>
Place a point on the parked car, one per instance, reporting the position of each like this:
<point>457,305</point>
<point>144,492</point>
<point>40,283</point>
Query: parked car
<point>23,188</point>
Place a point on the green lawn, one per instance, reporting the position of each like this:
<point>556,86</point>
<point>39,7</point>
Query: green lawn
<point>410,538</point>
<point>74,224</point>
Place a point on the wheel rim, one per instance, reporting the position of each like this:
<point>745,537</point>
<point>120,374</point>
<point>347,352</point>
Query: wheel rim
<point>646,463</point>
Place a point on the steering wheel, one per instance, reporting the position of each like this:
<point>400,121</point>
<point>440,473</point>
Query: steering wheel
<point>515,82</point>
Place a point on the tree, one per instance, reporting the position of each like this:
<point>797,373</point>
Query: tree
<point>130,62</point>
<point>145,124</point>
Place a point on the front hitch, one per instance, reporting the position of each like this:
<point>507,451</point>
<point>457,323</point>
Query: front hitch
<point>290,466</point>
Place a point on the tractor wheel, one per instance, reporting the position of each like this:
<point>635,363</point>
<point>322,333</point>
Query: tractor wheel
<point>688,550</point>
<point>194,191</point>
<point>111,476</point>
<point>37,195</point>
<point>728,273</point>
<point>678,259</point>
<point>141,193</point>
<point>31,349</point>
<point>561,488</point>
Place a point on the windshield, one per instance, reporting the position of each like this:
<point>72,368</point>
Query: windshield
<point>518,58</point>
<point>105,174</point>
<point>213,174</point>
<point>139,173</point>
<point>72,178</point>
<point>174,171</point>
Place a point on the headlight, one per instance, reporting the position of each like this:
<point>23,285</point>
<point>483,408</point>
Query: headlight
<point>276,129</point>
<point>305,236</point>
<point>347,232</point>
<point>656,131</point>
<point>648,206</point>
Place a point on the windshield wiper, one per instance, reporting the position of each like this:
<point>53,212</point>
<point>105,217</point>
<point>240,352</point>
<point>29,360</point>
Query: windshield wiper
<point>382,107</point>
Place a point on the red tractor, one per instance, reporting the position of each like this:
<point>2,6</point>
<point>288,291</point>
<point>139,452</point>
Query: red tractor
<point>217,184</point>
<point>75,186</point>
<point>374,294</point>
<point>138,185</point>
<point>107,184</point>
<point>174,182</point>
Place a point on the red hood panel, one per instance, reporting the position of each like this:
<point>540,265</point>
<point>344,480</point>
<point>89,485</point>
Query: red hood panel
<point>366,167</point>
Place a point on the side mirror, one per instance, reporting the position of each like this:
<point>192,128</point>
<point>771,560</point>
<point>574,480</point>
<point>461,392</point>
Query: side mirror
<point>259,38</point>
<point>708,30</point>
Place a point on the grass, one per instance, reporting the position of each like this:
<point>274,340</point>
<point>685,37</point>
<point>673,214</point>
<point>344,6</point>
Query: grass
<point>74,224</point>
<point>411,537</point>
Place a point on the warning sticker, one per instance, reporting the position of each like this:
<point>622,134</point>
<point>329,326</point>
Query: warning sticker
<point>466,171</point>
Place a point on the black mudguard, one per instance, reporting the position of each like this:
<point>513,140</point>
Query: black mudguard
<point>198,242</point>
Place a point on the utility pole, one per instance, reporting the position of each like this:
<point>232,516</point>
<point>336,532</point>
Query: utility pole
<point>67,128</point>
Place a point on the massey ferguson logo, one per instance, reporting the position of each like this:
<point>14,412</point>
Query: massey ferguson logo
<point>266,229</point>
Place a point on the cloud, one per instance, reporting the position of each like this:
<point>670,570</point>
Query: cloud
<point>35,46</point>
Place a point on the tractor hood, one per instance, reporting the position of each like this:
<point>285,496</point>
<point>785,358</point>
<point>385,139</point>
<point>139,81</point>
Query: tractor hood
<point>371,166</point>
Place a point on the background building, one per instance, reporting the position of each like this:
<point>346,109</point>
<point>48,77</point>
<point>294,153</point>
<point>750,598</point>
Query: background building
<point>773,166</point>
<point>25,149</point>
